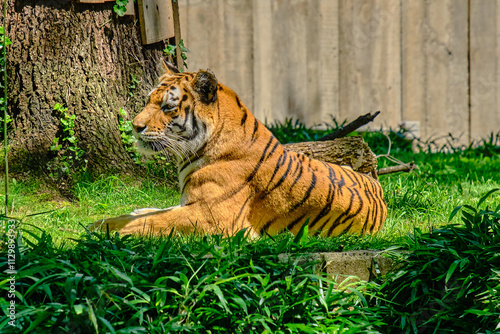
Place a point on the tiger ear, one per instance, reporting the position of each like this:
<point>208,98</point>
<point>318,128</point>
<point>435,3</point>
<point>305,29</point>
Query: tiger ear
<point>205,84</point>
<point>168,68</point>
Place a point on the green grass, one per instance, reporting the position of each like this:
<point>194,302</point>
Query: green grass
<point>71,279</point>
<point>188,285</point>
<point>421,199</point>
<point>449,281</point>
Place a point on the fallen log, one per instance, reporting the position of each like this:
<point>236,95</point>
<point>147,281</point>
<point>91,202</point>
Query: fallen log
<point>349,151</point>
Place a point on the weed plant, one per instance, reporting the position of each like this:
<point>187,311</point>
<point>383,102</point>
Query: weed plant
<point>450,282</point>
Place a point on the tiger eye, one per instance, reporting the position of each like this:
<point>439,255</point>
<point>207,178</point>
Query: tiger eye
<point>169,106</point>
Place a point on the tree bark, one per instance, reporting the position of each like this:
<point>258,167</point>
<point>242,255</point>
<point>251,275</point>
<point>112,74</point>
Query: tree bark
<point>349,151</point>
<point>83,56</point>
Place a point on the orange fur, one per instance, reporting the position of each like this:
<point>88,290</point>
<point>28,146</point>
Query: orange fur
<point>234,174</point>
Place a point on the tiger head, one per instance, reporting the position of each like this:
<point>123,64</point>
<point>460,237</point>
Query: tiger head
<point>178,117</point>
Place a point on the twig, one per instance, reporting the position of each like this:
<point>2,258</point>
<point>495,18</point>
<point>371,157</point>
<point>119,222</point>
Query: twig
<point>399,168</point>
<point>103,24</point>
<point>344,131</point>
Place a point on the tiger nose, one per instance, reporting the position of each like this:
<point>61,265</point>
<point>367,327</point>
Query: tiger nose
<point>138,125</point>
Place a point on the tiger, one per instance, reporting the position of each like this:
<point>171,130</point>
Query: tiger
<point>234,174</point>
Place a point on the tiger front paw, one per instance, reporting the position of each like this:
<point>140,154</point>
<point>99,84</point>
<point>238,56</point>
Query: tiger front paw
<point>111,224</point>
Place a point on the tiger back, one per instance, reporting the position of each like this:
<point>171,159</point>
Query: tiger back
<point>234,174</point>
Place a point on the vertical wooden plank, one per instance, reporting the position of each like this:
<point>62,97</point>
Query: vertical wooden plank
<point>447,83</point>
<point>289,59</point>
<point>177,33</point>
<point>435,69</point>
<point>370,61</point>
<point>263,62</point>
<point>202,23</point>
<point>311,113</point>
<point>413,95</point>
<point>484,68</point>
<point>219,35</point>
<point>130,8</point>
<point>329,70</point>
<point>156,20</point>
<point>296,60</point>
<point>238,48</point>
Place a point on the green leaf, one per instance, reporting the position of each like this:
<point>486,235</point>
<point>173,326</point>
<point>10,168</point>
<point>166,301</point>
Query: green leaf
<point>450,271</point>
<point>92,316</point>
<point>78,309</point>
<point>183,47</point>
<point>481,201</point>
<point>121,275</point>
<point>120,10</point>
<point>454,212</point>
<point>301,237</point>
<point>220,295</point>
<point>39,319</point>
<point>169,50</point>
<point>107,324</point>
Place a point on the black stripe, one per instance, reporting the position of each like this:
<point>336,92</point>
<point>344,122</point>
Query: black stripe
<point>187,179</point>
<point>378,218</point>
<point>337,221</point>
<point>194,127</point>
<point>238,102</point>
<point>349,175</point>
<point>266,226</point>
<point>353,215</point>
<point>189,162</point>
<point>244,119</point>
<point>290,226</point>
<point>264,156</point>
<point>279,163</point>
<point>186,110</point>
<point>192,159</point>
<point>321,229</point>
<point>255,128</point>
<point>340,184</point>
<point>373,210</point>
<point>241,210</point>
<point>366,223</point>
<point>283,177</point>
<point>297,165</point>
<point>326,209</point>
<point>298,176</point>
<point>307,194</point>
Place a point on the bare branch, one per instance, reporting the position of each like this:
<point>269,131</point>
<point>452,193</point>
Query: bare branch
<point>344,131</point>
<point>399,168</point>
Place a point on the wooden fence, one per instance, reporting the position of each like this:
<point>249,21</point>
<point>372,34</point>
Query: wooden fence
<point>431,65</point>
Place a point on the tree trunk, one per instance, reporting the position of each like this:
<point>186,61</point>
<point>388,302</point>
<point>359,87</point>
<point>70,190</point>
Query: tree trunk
<point>83,56</point>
